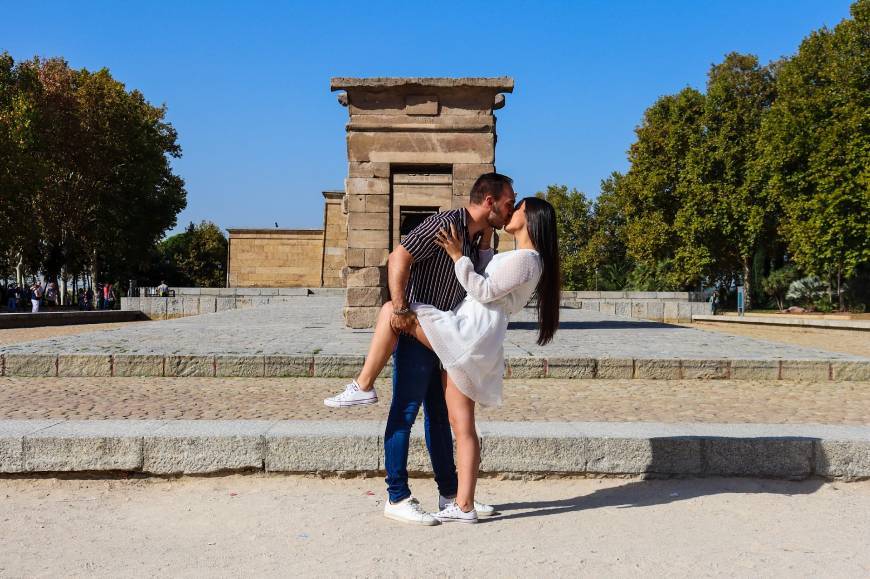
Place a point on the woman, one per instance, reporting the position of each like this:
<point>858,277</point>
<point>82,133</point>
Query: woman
<point>469,339</point>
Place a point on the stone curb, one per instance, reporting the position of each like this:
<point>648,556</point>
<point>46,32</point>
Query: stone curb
<point>576,448</point>
<point>347,366</point>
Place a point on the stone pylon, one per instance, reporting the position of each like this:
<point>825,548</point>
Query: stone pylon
<point>415,146</point>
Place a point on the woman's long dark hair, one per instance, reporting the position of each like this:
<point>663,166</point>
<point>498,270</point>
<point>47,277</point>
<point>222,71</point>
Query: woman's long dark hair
<point>541,225</point>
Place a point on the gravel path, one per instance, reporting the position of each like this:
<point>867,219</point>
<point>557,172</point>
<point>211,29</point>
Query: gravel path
<point>733,401</point>
<point>257,526</point>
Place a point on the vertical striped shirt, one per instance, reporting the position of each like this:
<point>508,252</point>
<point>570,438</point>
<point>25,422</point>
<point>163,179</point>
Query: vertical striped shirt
<point>432,280</point>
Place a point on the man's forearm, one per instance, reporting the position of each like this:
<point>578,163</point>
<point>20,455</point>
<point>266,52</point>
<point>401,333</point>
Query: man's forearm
<point>398,273</point>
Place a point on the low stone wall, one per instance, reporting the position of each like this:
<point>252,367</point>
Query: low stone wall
<point>348,366</point>
<point>66,318</point>
<point>196,301</point>
<point>671,307</point>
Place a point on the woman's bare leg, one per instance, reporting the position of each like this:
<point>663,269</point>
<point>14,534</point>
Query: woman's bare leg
<point>460,411</point>
<point>382,346</point>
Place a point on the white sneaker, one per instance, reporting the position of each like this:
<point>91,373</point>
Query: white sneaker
<point>408,511</point>
<point>453,514</point>
<point>483,510</point>
<point>352,396</point>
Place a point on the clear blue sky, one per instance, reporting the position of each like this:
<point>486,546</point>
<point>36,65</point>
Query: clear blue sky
<point>247,83</point>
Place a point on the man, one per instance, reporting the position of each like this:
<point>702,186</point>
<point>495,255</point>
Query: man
<point>35,296</point>
<point>162,289</point>
<point>12,304</point>
<point>420,271</point>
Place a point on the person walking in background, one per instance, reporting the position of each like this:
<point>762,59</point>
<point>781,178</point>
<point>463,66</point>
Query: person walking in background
<point>162,289</point>
<point>35,297</point>
<point>51,294</point>
<point>12,298</point>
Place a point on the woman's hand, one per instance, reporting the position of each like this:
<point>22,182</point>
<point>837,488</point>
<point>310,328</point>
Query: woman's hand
<point>486,238</point>
<point>449,240</point>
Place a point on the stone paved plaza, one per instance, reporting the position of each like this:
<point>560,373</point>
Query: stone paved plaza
<point>314,326</point>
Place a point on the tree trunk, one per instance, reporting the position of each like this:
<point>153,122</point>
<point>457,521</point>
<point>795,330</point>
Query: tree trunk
<point>19,278</point>
<point>747,285</point>
<point>63,276</point>
<point>840,289</point>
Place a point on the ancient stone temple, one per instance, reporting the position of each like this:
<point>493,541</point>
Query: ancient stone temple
<point>414,147</point>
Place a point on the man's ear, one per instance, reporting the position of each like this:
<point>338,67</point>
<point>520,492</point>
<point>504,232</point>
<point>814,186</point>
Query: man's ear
<point>489,202</point>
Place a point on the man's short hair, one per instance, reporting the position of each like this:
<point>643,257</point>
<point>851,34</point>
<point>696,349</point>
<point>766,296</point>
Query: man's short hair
<point>489,184</point>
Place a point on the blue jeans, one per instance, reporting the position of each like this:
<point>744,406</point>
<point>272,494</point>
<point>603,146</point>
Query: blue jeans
<point>416,381</point>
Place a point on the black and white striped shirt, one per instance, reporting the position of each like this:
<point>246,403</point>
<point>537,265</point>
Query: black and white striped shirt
<point>432,280</point>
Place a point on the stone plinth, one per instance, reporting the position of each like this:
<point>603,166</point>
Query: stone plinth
<point>414,146</point>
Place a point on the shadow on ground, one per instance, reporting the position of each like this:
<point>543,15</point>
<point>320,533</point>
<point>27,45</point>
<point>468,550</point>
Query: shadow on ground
<point>649,493</point>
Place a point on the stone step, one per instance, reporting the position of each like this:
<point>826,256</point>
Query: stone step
<point>792,451</point>
<point>347,366</point>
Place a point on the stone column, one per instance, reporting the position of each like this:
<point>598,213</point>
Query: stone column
<point>406,124</point>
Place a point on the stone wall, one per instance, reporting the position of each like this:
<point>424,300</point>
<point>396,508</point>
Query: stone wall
<point>670,307</point>
<point>334,239</point>
<point>196,301</point>
<point>415,142</point>
<point>275,257</point>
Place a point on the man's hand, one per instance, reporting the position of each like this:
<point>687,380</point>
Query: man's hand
<point>403,323</point>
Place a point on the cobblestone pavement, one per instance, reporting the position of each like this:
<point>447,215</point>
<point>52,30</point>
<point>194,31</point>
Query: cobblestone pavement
<point>314,325</point>
<point>12,336</point>
<point>721,401</point>
<point>853,342</point>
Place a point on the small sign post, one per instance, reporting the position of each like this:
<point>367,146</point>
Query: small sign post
<point>740,300</point>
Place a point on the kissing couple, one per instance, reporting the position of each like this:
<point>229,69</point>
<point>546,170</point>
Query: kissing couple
<point>451,299</point>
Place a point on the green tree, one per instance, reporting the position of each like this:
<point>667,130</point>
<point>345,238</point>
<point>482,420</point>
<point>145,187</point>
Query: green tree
<point>574,221</point>
<point>197,257</point>
<point>815,150</point>
<point>650,192</point>
<point>98,190</point>
<point>19,171</point>
<point>723,218</point>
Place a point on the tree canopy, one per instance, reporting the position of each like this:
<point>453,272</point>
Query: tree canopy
<point>768,168</point>
<point>86,182</point>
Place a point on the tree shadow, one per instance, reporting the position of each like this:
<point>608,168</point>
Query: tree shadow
<point>646,493</point>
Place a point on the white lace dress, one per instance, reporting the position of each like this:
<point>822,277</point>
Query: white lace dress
<point>469,339</point>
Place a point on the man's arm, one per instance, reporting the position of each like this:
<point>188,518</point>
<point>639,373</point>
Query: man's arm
<point>398,272</point>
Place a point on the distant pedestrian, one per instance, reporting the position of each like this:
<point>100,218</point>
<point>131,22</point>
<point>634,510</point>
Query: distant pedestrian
<point>51,294</point>
<point>35,296</point>
<point>162,290</point>
<point>12,298</point>
<point>109,302</point>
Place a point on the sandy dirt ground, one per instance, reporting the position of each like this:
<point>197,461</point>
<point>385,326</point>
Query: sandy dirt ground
<point>843,341</point>
<point>17,335</point>
<point>262,525</point>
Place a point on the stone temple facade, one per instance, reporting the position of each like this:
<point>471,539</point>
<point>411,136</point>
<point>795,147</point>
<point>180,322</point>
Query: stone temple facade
<point>415,146</point>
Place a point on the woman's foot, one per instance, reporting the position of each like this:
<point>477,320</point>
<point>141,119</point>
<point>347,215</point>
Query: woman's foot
<point>483,510</point>
<point>353,395</point>
<point>453,514</point>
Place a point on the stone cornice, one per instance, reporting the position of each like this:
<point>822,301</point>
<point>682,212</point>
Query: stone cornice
<point>499,84</point>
